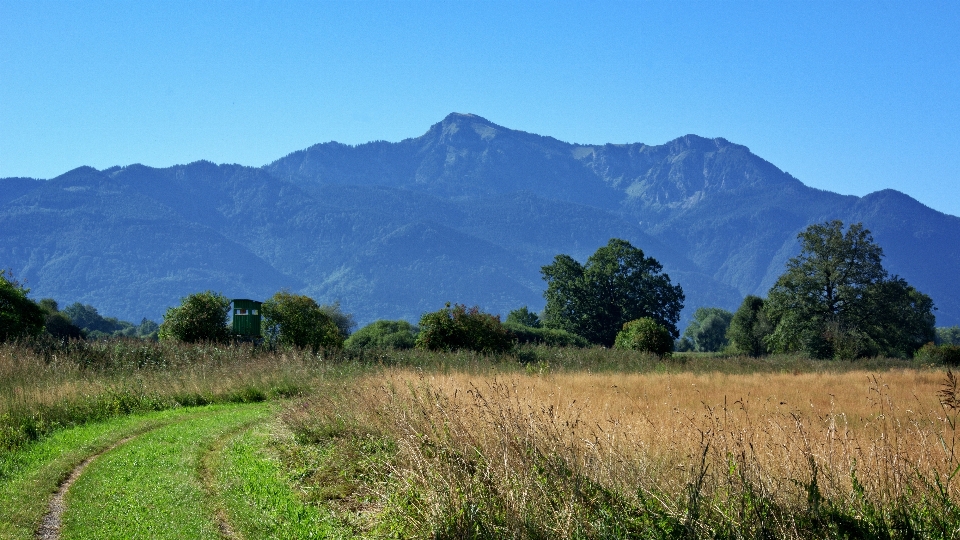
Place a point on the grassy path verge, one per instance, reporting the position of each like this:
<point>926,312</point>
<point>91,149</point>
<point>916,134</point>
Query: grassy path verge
<point>205,472</point>
<point>257,497</point>
<point>152,486</point>
<point>31,476</point>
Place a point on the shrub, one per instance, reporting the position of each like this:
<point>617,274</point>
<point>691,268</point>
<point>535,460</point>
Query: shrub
<point>645,334</point>
<point>524,316</point>
<point>552,337</point>
<point>199,317</point>
<point>297,320</point>
<point>383,335</point>
<point>945,354</point>
<point>20,317</point>
<point>458,327</point>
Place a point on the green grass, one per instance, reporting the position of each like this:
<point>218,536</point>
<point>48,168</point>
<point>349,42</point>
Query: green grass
<point>196,464</point>
<point>257,494</point>
<point>33,474</point>
<point>182,470</point>
<point>151,487</point>
<point>44,391</point>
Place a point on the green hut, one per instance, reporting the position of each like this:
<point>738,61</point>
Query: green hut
<point>246,318</point>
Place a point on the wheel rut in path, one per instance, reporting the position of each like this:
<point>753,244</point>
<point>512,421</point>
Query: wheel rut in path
<point>50,524</point>
<point>206,469</point>
<point>206,463</point>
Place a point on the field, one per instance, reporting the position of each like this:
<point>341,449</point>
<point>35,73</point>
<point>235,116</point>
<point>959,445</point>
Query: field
<point>548,443</point>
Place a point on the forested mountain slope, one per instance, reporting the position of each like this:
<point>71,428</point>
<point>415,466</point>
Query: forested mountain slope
<point>467,212</point>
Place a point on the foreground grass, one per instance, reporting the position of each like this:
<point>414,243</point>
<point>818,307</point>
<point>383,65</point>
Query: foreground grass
<point>817,455</point>
<point>43,390</point>
<point>258,498</point>
<point>32,474</point>
<point>149,487</point>
<point>50,386</point>
<point>541,443</point>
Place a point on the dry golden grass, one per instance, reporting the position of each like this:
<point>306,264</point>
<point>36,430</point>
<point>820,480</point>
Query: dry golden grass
<point>876,419</point>
<point>747,451</point>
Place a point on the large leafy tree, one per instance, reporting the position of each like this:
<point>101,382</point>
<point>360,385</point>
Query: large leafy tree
<point>617,284</point>
<point>343,320</point>
<point>57,323</point>
<point>297,320</point>
<point>836,300</point>
<point>750,327</point>
<point>19,316</point>
<point>949,335</point>
<point>707,332</point>
<point>199,317</point>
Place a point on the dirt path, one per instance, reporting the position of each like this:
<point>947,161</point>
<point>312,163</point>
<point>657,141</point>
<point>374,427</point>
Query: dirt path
<point>52,522</point>
<point>50,525</point>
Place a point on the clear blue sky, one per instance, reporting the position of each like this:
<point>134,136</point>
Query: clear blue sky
<point>852,97</point>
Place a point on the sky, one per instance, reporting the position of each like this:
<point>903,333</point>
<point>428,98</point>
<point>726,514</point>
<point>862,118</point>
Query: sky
<point>851,97</point>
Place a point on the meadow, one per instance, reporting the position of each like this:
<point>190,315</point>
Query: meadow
<point>544,443</point>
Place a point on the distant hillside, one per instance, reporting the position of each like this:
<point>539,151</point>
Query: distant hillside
<point>467,212</point>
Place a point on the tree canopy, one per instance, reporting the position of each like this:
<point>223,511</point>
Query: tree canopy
<point>459,327</point>
<point>20,317</point>
<point>836,300</point>
<point>645,334</point>
<point>617,284</point>
<point>750,327</point>
<point>524,317</point>
<point>383,334</point>
<point>297,320</point>
<point>707,332</point>
<point>344,321</point>
<point>199,317</point>
<point>949,335</point>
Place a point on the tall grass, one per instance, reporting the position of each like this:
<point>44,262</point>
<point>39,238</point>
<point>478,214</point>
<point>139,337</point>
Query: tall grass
<point>812,455</point>
<point>49,386</point>
<point>550,442</point>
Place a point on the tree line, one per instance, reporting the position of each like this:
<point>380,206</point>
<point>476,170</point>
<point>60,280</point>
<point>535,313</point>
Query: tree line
<point>21,317</point>
<point>834,300</point>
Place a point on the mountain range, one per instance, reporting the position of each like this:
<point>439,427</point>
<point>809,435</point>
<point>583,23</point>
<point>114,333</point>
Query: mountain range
<point>468,212</point>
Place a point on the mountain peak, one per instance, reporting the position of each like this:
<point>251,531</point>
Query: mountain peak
<point>459,128</point>
<point>80,174</point>
<point>455,116</point>
<point>703,144</point>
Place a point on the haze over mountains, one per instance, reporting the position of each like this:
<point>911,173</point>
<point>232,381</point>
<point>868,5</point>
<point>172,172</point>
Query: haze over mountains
<point>468,212</point>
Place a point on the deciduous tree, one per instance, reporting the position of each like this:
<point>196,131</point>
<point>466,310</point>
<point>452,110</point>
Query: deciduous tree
<point>617,284</point>
<point>297,320</point>
<point>19,316</point>
<point>707,331</point>
<point>836,300</point>
<point>645,334</point>
<point>199,317</point>
<point>524,316</point>
<point>383,334</point>
<point>750,327</point>
<point>458,327</point>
